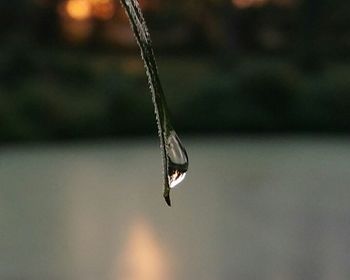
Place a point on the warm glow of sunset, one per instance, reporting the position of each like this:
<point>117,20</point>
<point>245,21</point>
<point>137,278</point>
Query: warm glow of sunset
<point>103,9</point>
<point>243,4</point>
<point>85,9</point>
<point>143,257</point>
<point>78,9</point>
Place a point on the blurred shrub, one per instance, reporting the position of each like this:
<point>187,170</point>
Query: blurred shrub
<point>46,97</point>
<point>252,97</point>
<point>324,101</point>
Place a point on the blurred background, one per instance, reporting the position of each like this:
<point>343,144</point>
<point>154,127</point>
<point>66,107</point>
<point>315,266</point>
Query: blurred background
<point>71,69</point>
<point>259,91</point>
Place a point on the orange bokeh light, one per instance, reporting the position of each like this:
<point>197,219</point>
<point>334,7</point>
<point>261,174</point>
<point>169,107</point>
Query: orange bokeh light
<point>85,9</point>
<point>103,9</point>
<point>78,9</point>
<point>243,4</point>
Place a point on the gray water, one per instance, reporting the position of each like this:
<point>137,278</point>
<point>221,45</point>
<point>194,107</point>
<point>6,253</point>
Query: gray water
<point>249,209</point>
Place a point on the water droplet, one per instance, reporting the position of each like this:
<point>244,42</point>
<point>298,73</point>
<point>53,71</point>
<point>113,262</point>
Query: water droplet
<point>177,159</point>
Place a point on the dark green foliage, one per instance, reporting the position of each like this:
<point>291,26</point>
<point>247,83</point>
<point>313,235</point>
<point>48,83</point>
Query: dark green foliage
<point>68,96</point>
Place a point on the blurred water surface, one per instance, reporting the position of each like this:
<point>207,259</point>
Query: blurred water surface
<point>274,208</point>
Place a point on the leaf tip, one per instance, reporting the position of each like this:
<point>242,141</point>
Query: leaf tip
<point>167,199</point>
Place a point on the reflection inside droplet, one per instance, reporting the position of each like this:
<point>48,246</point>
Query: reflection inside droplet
<point>176,178</point>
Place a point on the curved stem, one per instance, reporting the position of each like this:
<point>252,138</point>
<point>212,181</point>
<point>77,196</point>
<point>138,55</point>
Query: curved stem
<point>143,39</point>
